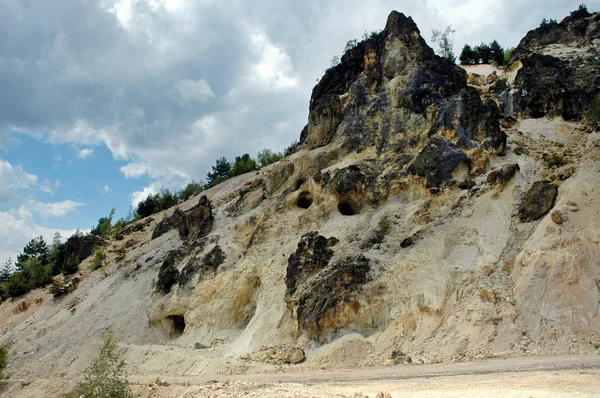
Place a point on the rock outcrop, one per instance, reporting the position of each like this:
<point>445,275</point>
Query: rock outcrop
<point>392,92</point>
<point>192,224</point>
<point>552,82</point>
<point>81,246</point>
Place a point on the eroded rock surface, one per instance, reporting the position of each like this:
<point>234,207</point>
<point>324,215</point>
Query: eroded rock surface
<point>191,224</point>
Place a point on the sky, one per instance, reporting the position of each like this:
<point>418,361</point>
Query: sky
<point>105,101</point>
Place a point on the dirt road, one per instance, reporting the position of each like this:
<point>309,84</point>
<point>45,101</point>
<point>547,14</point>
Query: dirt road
<point>570,376</point>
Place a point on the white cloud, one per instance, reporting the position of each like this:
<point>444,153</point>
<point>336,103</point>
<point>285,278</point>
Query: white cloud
<point>14,179</point>
<point>106,189</point>
<point>55,209</point>
<point>85,153</point>
<point>135,169</point>
<point>193,90</point>
<point>17,227</point>
<point>137,196</point>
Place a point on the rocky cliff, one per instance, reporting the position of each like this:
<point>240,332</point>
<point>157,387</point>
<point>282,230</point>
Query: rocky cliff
<point>423,219</point>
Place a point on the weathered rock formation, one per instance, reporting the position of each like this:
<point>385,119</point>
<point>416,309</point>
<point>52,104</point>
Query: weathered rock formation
<point>460,232</point>
<point>192,224</point>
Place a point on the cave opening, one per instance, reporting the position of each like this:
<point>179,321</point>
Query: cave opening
<point>177,323</point>
<point>305,200</point>
<point>347,208</point>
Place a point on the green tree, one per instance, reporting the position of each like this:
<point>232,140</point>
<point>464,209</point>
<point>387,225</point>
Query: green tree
<point>335,61</point>
<point>467,55</point>
<point>496,53</point>
<point>508,56</point>
<point>483,53</point>
<point>350,44</point>
<point>445,44</point>
<point>106,376</point>
<point>267,157</point>
<point>37,273</point>
<point>104,225</point>
<point>191,189</point>
<point>35,249</point>
<point>220,172</point>
<point>292,148</point>
<point>242,165</point>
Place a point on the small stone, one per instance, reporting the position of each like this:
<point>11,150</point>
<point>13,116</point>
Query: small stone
<point>200,346</point>
<point>557,217</point>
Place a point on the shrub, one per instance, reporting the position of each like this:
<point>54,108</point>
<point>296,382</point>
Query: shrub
<point>445,44</point>
<point>103,227</point>
<point>292,148</point>
<point>556,160</point>
<point>3,358</point>
<point>105,377</point>
<point>350,44</point>
<point>191,189</point>
<point>385,225</point>
<point>242,165</point>
<point>99,258</point>
<point>508,56</point>
<point>121,252</point>
<point>267,157</point>
<point>72,265</point>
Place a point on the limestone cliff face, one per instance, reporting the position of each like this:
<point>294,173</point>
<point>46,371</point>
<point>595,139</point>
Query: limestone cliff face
<point>392,93</point>
<point>422,215</point>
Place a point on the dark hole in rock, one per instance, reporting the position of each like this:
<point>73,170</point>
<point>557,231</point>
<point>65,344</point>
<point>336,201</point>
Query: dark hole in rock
<point>299,183</point>
<point>178,323</point>
<point>304,200</point>
<point>347,208</point>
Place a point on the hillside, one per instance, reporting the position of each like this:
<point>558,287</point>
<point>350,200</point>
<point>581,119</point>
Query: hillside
<point>431,215</point>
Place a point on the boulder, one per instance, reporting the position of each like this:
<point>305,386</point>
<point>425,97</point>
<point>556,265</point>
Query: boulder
<point>278,355</point>
<point>538,201</point>
<point>437,161</point>
<point>501,176</point>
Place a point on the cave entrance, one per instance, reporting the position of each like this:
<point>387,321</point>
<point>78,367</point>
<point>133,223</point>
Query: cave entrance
<point>347,208</point>
<point>305,200</point>
<point>177,324</point>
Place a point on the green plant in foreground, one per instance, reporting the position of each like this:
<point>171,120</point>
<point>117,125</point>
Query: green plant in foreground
<point>106,376</point>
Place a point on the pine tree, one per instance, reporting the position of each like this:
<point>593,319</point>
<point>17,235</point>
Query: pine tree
<point>220,172</point>
<point>35,249</point>
<point>467,56</point>
<point>496,53</point>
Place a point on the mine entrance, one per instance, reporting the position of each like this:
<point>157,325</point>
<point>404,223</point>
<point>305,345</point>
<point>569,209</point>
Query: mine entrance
<point>177,323</point>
